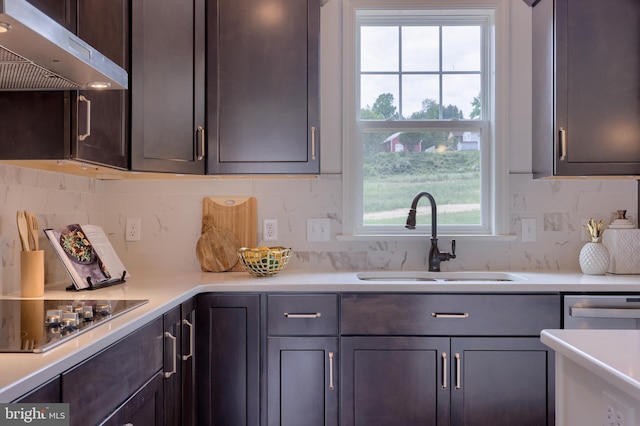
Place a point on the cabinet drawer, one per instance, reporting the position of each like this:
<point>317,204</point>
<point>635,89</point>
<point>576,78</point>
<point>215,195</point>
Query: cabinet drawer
<point>449,314</point>
<point>47,392</point>
<point>100,384</point>
<point>309,314</point>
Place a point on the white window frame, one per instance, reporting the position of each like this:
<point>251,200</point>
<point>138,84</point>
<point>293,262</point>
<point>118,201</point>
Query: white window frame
<point>494,158</point>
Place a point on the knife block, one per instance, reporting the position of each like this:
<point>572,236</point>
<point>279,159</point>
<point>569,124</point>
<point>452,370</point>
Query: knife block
<point>32,273</point>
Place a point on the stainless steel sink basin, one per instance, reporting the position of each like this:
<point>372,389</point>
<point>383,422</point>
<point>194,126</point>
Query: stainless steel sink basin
<point>481,276</point>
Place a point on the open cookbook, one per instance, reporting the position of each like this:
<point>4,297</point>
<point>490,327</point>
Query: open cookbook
<point>87,255</point>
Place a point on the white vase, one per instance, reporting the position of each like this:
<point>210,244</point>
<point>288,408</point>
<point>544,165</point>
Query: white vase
<point>594,259</point>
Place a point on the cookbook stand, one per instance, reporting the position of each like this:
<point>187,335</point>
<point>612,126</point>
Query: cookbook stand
<point>99,285</point>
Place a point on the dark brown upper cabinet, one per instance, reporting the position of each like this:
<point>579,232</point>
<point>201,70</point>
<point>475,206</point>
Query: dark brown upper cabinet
<point>263,86</point>
<point>99,119</point>
<point>586,88</point>
<point>64,12</point>
<point>36,124</point>
<point>82,125</point>
<point>167,86</point>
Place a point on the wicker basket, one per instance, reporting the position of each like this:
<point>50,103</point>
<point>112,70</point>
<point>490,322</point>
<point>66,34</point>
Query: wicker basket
<point>264,261</point>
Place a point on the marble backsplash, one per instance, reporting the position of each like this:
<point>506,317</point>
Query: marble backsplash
<point>171,210</point>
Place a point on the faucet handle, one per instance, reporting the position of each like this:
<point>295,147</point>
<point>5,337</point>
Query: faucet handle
<point>444,256</point>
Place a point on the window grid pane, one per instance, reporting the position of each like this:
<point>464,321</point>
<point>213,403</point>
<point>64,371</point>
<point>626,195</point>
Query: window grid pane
<point>420,118</point>
<point>439,65</point>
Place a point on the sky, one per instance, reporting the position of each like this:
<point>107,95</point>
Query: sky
<point>380,53</point>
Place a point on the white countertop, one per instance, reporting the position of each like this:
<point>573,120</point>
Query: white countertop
<point>164,290</point>
<point>612,355</point>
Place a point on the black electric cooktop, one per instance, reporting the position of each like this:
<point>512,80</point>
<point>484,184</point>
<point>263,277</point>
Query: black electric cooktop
<point>39,325</point>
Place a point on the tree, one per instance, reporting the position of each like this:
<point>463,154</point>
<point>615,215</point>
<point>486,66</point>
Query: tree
<point>451,112</point>
<point>384,107</point>
<point>430,111</point>
<point>476,112</point>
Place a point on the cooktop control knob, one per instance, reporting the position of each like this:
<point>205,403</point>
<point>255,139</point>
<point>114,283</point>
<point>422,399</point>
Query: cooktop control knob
<point>53,317</point>
<point>70,320</point>
<point>87,313</point>
<point>103,308</point>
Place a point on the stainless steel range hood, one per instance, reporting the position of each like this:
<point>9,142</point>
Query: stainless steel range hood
<point>37,53</point>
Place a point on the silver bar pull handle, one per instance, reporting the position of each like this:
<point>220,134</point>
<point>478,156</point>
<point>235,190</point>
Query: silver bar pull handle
<point>168,374</point>
<point>331,371</point>
<point>450,314</point>
<point>457,355</point>
<point>303,315</point>
<point>563,143</point>
<point>313,142</point>
<point>200,132</point>
<point>605,313</point>
<point>82,98</point>
<point>444,370</point>
<point>190,354</point>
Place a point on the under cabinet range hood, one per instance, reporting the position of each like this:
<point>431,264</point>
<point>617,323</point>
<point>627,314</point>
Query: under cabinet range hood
<point>37,53</point>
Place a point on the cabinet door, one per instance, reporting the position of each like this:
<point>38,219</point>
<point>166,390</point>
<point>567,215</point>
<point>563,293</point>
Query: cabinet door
<point>100,131</point>
<point>61,11</point>
<point>188,357</point>
<point>167,86</point>
<point>593,128</point>
<point>394,381</point>
<point>34,125</point>
<point>228,347</point>
<point>263,96</point>
<point>172,366</point>
<point>302,381</point>
<point>143,408</point>
<point>501,381</point>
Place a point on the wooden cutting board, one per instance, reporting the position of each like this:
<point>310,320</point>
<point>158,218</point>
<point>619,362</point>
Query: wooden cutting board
<point>239,215</point>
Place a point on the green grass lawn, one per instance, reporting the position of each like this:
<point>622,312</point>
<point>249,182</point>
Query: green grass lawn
<point>453,181</point>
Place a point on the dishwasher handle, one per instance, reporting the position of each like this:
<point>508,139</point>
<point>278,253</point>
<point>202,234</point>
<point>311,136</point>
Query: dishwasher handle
<point>605,313</point>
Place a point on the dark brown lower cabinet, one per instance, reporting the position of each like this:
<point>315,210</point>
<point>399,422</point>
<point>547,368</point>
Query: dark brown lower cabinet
<point>447,359</point>
<point>145,407</point>
<point>172,374</point>
<point>302,381</point>
<point>474,381</point>
<point>394,381</point>
<point>189,374</point>
<point>97,387</point>
<point>502,381</point>
<point>228,364</point>
<point>47,392</point>
<point>146,378</point>
<point>179,365</point>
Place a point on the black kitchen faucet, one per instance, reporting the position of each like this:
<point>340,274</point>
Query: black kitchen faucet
<point>435,255</point>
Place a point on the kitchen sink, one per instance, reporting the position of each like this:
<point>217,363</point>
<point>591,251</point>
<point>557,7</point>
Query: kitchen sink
<point>482,276</point>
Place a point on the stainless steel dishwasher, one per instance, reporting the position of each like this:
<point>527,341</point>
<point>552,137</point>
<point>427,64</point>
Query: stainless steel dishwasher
<point>610,312</point>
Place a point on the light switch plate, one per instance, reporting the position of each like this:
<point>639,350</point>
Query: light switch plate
<point>318,229</point>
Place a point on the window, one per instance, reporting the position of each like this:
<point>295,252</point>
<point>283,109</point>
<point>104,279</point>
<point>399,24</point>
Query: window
<point>421,115</point>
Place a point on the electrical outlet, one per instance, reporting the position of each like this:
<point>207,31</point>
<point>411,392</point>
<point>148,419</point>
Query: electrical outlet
<point>617,412</point>
<point>270,230</point>
<point>528,229</point>
<point>133,231</point>
<point>318,229</point>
